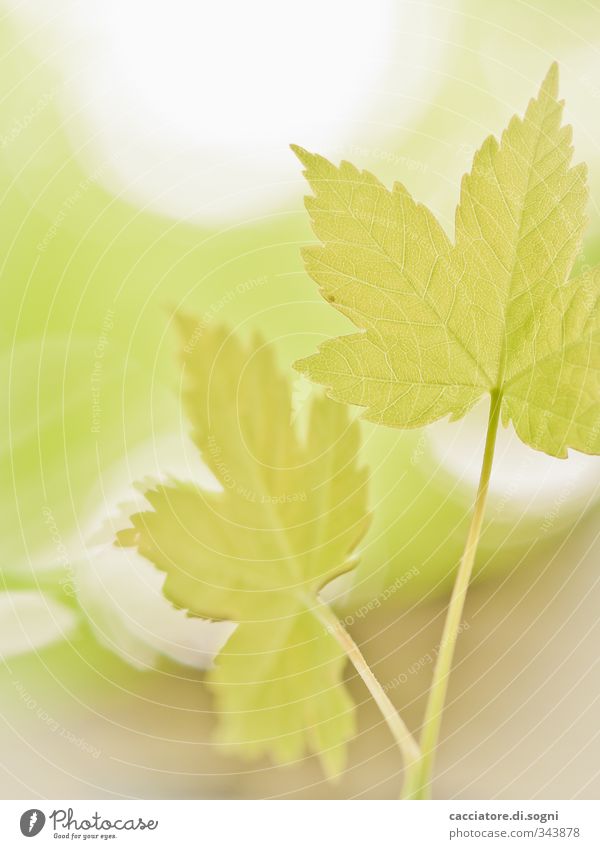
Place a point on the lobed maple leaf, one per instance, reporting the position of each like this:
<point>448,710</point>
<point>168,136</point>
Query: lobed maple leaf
<point>286,522</point>
<point>443,323</point>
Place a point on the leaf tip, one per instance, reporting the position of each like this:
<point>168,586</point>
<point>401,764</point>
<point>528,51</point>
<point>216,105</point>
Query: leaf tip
<point>550,84</point>
<point>302,154</point>
<point>185,325</point>
<point>126,538</point>
<point>302,366</point>
<point>333,764</point>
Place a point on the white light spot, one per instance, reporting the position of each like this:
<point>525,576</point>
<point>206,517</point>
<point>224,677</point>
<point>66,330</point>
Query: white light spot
<point>522,478</point>
<point>190,107</point>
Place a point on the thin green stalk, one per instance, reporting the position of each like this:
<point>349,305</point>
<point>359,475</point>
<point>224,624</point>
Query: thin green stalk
<point>404,739</point>
<point>418,777</point>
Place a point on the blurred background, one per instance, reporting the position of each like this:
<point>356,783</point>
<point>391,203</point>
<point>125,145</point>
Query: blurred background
<point>145,167</point>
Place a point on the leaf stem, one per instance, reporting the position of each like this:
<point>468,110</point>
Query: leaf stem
<point>418,778</point>
<point>405,741</point>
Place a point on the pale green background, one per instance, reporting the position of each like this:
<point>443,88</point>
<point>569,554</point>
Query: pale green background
<point>59,281</point>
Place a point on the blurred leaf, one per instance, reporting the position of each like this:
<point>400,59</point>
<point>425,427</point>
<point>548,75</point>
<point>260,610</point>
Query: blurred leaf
<point>287,521</point>
<point>442,324</point>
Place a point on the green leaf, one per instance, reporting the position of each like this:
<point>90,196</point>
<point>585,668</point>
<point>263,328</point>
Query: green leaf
<point>440,323</point>
<point>287,521</point>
